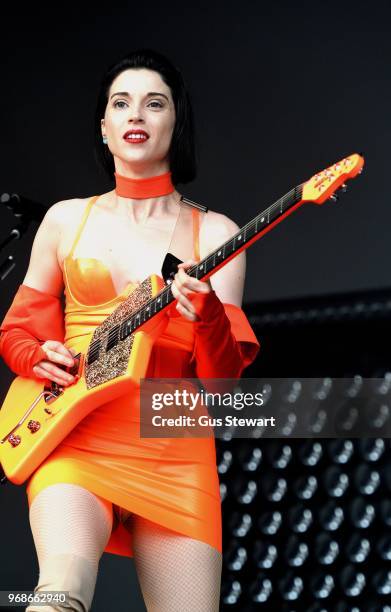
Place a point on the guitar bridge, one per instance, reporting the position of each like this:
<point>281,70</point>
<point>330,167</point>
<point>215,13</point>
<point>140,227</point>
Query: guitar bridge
<point>52,392</point>
<point>53,389</point>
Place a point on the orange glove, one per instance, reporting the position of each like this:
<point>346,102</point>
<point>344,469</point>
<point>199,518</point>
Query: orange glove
<point>225,343</point>
<point>33,318</point>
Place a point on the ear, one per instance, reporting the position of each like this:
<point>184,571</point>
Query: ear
<point>102,125</point>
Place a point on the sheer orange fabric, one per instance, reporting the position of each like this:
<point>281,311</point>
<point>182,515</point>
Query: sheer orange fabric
<point>170,481</point>
<point>34,316</point>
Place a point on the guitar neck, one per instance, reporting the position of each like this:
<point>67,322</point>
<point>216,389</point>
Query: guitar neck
<point>246,236</point>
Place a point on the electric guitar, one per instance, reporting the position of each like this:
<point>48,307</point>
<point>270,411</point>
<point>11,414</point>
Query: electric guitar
<point>37,415</point>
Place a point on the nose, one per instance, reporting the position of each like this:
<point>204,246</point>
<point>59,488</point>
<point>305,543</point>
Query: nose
<point>135,113</point>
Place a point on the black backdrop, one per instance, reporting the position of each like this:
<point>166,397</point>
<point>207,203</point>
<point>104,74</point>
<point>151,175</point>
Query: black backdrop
<point>280,90</point>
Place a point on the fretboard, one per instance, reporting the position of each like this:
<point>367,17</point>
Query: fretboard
<point>215,260</point>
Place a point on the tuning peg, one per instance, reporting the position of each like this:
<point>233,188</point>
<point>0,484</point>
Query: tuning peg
<point>344,187</point>
<point>333,197</point>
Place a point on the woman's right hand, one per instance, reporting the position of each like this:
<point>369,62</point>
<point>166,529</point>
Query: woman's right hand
<point>56,353</point>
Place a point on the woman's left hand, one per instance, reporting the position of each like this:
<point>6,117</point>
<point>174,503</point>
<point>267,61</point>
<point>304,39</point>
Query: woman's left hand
<point>183,285</point>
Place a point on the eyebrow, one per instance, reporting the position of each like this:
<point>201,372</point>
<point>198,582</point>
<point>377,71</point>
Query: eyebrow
<point>151,93</point>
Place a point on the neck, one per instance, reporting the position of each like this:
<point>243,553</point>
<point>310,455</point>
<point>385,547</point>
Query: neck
<point>142,188</point>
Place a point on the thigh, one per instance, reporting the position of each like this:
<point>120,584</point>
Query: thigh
<point>69,519</point>
<point>176,573</point>
<point>71,527</point>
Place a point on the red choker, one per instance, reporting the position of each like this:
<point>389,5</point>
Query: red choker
<point>150,187</point>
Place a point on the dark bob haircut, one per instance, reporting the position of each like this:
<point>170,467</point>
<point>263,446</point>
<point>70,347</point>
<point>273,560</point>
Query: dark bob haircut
<point>182,155</point>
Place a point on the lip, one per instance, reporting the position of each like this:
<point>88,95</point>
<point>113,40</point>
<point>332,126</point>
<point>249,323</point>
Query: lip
<point>136,132</point>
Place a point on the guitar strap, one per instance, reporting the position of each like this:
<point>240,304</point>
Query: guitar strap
<point>184,239</point>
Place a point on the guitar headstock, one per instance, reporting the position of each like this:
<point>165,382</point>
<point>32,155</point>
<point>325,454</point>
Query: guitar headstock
<point>323,184</point>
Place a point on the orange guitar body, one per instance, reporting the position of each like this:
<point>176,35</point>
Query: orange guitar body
<point>36,417</point>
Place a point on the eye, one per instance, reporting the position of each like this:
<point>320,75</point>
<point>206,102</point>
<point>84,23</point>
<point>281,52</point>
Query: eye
<point>159,104</point>
<point>119,102</point>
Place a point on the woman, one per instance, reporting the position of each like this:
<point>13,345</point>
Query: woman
<point>104,488</point>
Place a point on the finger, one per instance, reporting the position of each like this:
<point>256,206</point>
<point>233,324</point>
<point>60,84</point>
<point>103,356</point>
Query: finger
<point>54,355</point>
<point>186,303</point>
<point>53,370</point>
<point>44,369</point>
<point>63,350</point>
<point>187,264</point>
<point>191,283</point>
<point>180,293</point>
<point>58,347</point>
<point>179,286</point>
<point>192,316</point>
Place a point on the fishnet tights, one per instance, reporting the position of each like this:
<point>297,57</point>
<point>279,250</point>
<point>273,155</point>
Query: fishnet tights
<point>176,573</point>
<point>71,527</point>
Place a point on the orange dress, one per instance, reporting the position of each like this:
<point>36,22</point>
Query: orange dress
<point>170,481</point>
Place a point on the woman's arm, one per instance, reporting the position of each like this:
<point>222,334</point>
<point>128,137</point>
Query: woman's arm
<point>228,282</point>
<point>44,272</point>
<point>225,343</point>
<point>32,332</point>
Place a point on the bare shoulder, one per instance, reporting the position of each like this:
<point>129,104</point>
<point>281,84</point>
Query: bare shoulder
<point>216,228</point>
<point>60,212</point>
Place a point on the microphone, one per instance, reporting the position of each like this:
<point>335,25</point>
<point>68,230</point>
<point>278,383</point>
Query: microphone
<point>23,207</point>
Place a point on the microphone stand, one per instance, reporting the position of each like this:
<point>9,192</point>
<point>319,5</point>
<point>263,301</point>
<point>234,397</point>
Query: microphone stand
<point>25,211</point>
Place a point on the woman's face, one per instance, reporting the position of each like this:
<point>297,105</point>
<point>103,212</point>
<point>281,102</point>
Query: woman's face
<point>139,102</point>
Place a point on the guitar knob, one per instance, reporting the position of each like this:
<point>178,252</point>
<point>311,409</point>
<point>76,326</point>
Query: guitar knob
<point>333,197</point>
<point>344,188</point>
<point>34,426</point>
<point>14,440</point>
